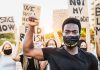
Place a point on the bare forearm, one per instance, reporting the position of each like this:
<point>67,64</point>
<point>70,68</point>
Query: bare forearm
<point>28,42</point>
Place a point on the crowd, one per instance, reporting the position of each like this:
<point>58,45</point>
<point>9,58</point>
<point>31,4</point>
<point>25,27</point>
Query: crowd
<point>71,55</point>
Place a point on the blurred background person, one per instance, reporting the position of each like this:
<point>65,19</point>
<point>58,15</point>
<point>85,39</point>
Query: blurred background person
<point>91,48</point>
<point>83,45</point>
<point>28,63</point>
<point>51,43</point>
<point>6,59</point>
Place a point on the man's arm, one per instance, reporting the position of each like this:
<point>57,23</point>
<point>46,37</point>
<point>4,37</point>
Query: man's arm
<point>28,42</point>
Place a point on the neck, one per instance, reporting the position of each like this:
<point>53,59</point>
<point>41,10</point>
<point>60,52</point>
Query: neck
<point>72,51</point>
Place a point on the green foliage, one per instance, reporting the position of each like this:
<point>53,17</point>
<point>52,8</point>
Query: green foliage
<point>92,36</point>
<point>7,37</point>
<point>83,32</point>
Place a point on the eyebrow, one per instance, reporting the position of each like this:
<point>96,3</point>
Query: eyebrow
<point>71,30</point>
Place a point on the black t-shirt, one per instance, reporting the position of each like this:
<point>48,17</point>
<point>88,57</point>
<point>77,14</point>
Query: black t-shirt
<point>60,59</point>
<point>30,63</point>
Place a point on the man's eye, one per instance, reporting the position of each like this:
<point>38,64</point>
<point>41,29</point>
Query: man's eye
<point>74,32</point>
<point>67,32</point>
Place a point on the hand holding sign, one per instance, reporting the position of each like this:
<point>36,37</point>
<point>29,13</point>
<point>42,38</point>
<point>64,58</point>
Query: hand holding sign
<point>33,21</point>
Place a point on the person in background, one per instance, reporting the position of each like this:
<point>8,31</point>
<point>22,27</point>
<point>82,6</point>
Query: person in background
<point>51,43</point>
<point>28,63</point>
<point>83,45</point>
<point>6,59</point>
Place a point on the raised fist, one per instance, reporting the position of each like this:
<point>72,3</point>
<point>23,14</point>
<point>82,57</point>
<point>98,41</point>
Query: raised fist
<point>33,21</point>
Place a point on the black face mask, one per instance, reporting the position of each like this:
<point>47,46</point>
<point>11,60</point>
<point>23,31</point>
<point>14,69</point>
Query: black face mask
<point>71,41</point>
<point>85,49</point>
<point>8,52</point>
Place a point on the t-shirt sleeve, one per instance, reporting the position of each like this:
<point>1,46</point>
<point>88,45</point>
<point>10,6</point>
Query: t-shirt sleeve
<point>47,52</point>
<point>94,63</point>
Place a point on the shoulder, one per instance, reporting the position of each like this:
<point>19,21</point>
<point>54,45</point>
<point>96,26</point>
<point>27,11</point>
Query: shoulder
<point>47,52</point>
<point>92,56</point>
<point>50,49</point>
<point>88,54</point>
<point>93,61</point>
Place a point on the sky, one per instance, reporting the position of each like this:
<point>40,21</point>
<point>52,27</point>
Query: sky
<point>15,8</point>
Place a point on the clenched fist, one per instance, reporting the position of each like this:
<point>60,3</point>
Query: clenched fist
<point>33,21</point>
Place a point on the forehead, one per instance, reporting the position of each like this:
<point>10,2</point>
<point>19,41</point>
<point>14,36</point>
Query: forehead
<point>51,41</point>
<point>71,26</point>
<point>83,43</point>
<point>7,45</point>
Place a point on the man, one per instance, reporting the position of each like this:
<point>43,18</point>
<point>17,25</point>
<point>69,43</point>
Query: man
<point>69,57</point>
<point>6,60</point>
